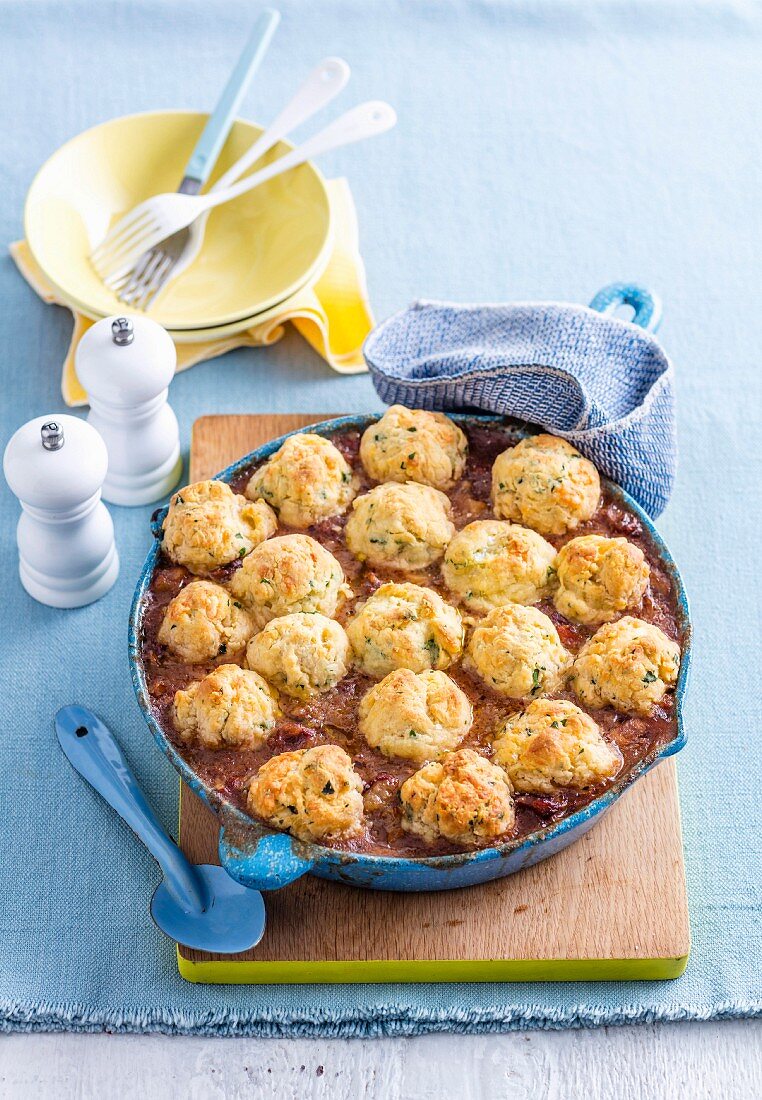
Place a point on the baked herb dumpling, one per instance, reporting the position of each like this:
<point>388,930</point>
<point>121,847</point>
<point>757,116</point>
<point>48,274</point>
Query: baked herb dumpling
<point>462,798</point>
<point>405,626</point>
<point>545,483</point>
<point>416,716</point>
<point>208,525</point>
<point>490,563</point>
<point>301,654</point>
<point>287,574</point>
<point>629,665</point>
<point>313,793</point>
<point>307,480</point>
<point>552,743</point>
<point>381,616</point>
<point>230,708</point>
<point>413,445</point>
<point>204,621</point>
<point>517,652</point>
<point>599,578</point>
<point>400,526</point>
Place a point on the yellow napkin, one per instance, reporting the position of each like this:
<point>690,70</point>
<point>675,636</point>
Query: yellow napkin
<point>333,313</point>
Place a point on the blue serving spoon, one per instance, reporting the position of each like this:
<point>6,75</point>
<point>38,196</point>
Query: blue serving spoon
<point>198,905</point>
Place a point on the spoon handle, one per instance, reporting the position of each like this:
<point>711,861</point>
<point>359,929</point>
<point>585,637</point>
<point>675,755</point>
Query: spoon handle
<point>91,749</point>
<point>318,89</point>
<point>364,121</point>
<point>218,127</point>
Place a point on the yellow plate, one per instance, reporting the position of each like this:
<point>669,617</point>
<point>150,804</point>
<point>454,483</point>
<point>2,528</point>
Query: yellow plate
<point>258,249</point>
<point>204,335</point>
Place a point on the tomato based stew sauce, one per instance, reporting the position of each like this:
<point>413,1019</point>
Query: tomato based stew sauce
<point>332,717</point>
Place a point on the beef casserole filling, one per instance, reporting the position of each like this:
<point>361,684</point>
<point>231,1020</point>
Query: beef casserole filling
<point>292,718</point>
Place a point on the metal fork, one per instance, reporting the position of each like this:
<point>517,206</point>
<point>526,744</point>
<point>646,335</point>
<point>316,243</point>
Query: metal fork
<point>140,285</point>
<point>152,221</point>
<point>174,254</point>
<point>143,283</point>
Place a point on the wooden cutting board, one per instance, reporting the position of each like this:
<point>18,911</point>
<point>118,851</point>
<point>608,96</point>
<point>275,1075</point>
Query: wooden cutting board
<point>610,907</point>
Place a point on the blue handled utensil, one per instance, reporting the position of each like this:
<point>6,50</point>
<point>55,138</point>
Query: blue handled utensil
<point>198,905</point>
<point>203,158</point>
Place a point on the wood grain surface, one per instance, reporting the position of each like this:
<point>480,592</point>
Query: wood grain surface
<point>720,1060</point>
<point>618,893</point>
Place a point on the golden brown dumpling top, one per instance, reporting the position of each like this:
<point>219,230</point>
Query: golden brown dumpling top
<point>313,793</point>
<point>554,744</point>
<point>629,665</point>
<point>413,445</point>
<point>203,621</point>
<point>490,563</point>
<point>405,626</point>
<point>545,483</point>
<point>517,652</point>
<point>599,577</point>
<point>230,708</point>
<point>461,798</point>
<point>306,481</point>
<point>287,574</point>
<point>208,525</point>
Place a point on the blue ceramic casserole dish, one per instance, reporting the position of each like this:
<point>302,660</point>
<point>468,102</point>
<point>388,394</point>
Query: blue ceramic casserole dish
<point>265,859</point>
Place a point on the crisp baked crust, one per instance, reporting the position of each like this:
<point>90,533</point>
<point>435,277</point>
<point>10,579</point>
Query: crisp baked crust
<point>554,744</point>
<point>628,665</point>
<point>305,481</point>
<point>203,622</point>
<point>313,793</point>
<point>462,798</point>
<point>230,708</point>
<point>432,661</point>
<point>599,578</point>
<point>545,483</point>
<point>413,445</point>
<point>491,563</point>
<point>415,715</point>
<point>208,525</point>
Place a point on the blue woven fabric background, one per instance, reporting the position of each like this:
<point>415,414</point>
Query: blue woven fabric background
<point>544,150</point>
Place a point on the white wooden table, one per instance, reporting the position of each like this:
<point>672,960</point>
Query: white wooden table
<point>712,1061</point>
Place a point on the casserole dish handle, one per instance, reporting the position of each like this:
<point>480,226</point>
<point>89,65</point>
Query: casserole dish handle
<point>646,306</point>
<point>264,862</point>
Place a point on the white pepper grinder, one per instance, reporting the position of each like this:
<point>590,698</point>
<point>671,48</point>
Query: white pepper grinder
<point>55,465</point>
<point>126,364</point>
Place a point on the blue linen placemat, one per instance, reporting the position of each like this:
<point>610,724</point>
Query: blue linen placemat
<point>544,150</point>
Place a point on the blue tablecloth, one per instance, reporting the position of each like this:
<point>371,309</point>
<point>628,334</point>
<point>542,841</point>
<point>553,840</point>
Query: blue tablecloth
<point>544,149</point>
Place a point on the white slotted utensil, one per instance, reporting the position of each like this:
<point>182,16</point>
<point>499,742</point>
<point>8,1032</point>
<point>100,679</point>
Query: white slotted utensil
<point>140,286</point>
<point>153,220</point>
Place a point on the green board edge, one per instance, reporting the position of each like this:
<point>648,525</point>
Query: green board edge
<point>236,972</point>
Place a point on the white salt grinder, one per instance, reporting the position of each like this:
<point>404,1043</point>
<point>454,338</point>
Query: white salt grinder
<point>55,465</point>
<point>126,364</point>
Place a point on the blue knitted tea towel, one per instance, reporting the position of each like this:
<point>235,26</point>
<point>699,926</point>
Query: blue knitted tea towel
<point>604,384</point>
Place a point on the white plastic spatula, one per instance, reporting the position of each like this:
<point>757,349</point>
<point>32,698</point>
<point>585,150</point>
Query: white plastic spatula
<point>159,217</point>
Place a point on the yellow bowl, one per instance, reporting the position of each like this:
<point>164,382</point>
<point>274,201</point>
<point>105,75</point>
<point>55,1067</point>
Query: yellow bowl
<point>258,249</point>
<point>199,335</point>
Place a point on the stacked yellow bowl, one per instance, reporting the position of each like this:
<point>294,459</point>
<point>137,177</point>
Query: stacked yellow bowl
<point>258,251</point>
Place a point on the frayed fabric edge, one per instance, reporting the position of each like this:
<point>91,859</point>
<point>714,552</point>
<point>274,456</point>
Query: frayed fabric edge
<point>384,1022</point>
